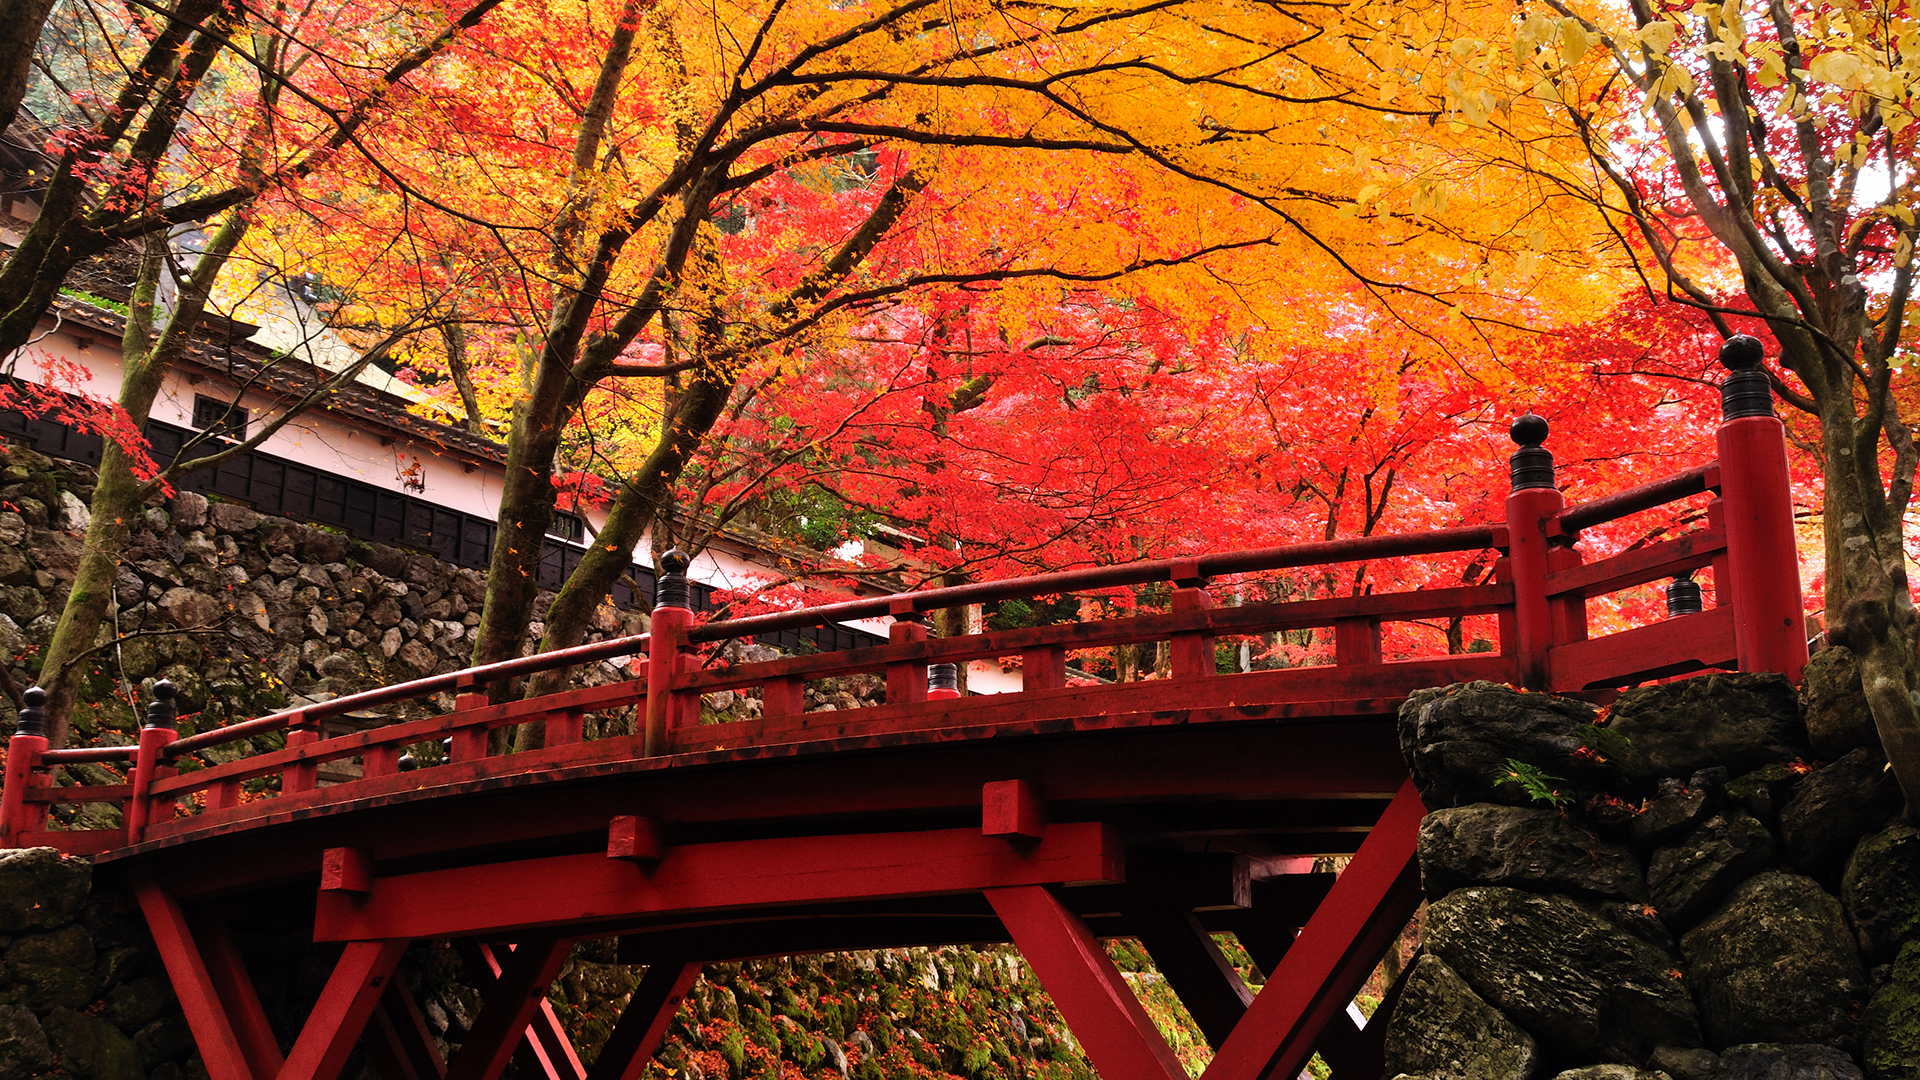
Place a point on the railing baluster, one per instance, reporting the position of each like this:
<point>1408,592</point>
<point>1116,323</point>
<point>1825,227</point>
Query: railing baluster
<point>906,680</point>
<point>565,726</point>
<point>1191,654</point>
<point>18,816</point>
<point>1356,641</point>
<point>300,775</point>
<point>672,615</point>
<point>1043,668</point>
<point>155,735</point>
<point>1533,510</point>
<point>1769,623</point>
<point>380,759</point>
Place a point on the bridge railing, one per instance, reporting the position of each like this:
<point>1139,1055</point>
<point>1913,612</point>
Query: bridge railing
<point>1538,596</point>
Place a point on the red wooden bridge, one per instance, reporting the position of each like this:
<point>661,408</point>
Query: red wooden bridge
<point>1168,810</point>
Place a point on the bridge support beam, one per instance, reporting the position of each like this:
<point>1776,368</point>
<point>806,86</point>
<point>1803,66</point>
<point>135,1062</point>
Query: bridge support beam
<point>359,980</point>
<point>511,1004</point>
<point>1372,899</point>
<point>1185,953</point>
<point>643,1026</point>
<point>195,986</point>
<point>545,1050</point>
<point>398,1042</point>
<point>1111,1024</point>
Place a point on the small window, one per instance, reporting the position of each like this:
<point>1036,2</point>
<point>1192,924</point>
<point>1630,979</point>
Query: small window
<point>569,527</point>
<point>223,418</point>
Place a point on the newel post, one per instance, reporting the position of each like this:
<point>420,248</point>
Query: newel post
<point>156,733</point>
<point>23,754</point>
<point>666,638</point>
<point>1533,519</point>
<point>1763,559</point>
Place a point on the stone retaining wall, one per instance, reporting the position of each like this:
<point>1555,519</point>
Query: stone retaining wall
<point>1703,882</point>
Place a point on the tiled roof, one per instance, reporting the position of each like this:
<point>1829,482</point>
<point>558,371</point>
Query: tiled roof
<point>289,378</point>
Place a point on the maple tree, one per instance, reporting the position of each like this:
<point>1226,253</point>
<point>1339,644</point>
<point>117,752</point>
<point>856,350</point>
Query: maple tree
<point>1756,162</point>
<point>656,229</point>
<point>174,116</point>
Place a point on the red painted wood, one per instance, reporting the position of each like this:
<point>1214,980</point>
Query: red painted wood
<point>359,977</point>
<point>1771,624</point>
<point>1113,1027</point>
<point>643,1026</point>
<point>565,726</point>
<point>1356,641</point>
<point>545,1049</point>
<point>1568,610</point>
<point>397,1040</point>
<point>300,775</point>
<point>669,630</point>
<point>1246,619</point>
<point>502,898</point>
<point>347,870</point>
<point>144,805</point>
<point>510,1004</point>
<point>1186,954</point>
<point>1043,667</point>
<point>1369,903</point>
<point>1531,516</point>
<point>1012,809</point>
<point>906,681</point>
<point>1191,654</point>
<point>784,696</point>
<point>469,743</point>
<point>23,751</point>
<point>1639,566</point>
<point>380,761</point>
<point>199,997</point>
<point>245,1016</point>
<point>1675,646</point>
<point>635,838</point>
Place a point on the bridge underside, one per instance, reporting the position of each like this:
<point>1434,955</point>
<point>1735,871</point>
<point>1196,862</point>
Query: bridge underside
<point>1167,834</point>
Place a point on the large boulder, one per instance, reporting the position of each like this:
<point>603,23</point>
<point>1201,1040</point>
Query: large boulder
<point>1689,879</point>
<point>39,889</point>
<point>24,1051</point>
<point>1738,721</point>
<point>1834,807</point>
<point>1441,1029</point>
<point>1678,809</point>
<point>1587,990</point>
<point>1776,963</point>
<point>1881,891</point>
<point>1458,739</point>
<point>1786,1061</point>
<point>53,968</point>
<point>90,1048</point>
<point>1485,844</point>
<point>1611,1072</point>
<point>1835,704</point>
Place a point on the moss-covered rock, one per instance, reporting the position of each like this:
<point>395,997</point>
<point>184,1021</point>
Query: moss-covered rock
<point>1890,1028</point>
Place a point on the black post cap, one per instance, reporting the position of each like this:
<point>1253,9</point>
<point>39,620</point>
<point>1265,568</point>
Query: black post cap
<point>1746,390</point>
<point>1532,464</point>
<point>943,677</point>
<point>161,711</point>
<point>672,589</point>
<point>408,762</point>
<point>1683,596</point>
<point>33,713</point>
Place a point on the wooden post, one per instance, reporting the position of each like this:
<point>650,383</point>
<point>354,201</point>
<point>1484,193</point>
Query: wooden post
<point>300,775</point>
<point>1769,622</point>
<point>155,735</point>
<point>1533,512</point>
<point>906,681</point>
<point>1191,654</point>
<point>18,816</point>
<point>672,615</point>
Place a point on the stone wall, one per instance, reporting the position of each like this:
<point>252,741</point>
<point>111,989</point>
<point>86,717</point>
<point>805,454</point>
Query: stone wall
<point>1702,882</point>
<point>81,989</point>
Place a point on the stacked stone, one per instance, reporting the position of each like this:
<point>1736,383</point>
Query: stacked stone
<point>81,991</point>
<point>1703,883</point>
<point>280,609</point>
